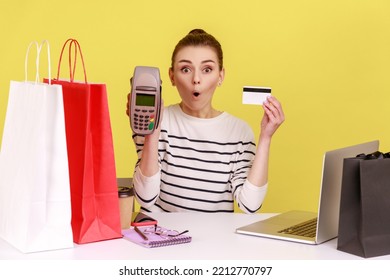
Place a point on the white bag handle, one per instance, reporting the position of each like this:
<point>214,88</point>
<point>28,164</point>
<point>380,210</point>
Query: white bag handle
<point>36,61</point>
<point>48,58</point>
<point>39,49</point>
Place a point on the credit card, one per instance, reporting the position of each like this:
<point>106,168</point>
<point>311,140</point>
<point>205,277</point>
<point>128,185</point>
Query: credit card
<point>255,95</point>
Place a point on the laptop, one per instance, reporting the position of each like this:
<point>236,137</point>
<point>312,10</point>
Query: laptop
<point>309,227</point>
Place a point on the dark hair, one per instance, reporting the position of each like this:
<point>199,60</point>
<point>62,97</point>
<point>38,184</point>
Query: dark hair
<point>198,37</point>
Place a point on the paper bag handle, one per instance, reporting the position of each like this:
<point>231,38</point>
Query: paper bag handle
<point>374,155</point>
<point>36,61</point>
<point>39,49</point>
<point>72,71</point>
<point>45,42</point>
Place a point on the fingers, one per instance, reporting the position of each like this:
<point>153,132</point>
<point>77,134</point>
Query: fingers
<point>127,105</point>
<point>273,117</point>
<point>274,110</point>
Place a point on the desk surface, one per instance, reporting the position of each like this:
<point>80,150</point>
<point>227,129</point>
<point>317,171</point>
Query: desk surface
<point>213,238</point>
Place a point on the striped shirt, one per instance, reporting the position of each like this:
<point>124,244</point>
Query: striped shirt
<point>203,166</point>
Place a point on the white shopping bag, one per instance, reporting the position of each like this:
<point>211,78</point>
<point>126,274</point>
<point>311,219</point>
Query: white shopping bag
<point>35,209</point>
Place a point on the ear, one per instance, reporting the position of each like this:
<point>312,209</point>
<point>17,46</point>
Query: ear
<point>171,76</point>
<point>221,76</point>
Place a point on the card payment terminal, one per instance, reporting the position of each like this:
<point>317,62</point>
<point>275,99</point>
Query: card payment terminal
<point>145,103</point>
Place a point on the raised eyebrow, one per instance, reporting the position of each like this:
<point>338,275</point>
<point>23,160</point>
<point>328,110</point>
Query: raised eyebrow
<point>208,61</point>
<point>185,61</point>
<point>190,62</point>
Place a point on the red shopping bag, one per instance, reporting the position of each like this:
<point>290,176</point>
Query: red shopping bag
<point>94,193</point>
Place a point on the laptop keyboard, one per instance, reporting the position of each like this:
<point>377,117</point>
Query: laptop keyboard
<point>306,229</point>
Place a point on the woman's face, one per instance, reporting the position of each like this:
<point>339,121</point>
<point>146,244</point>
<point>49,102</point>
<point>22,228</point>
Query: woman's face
<point>196,75</point>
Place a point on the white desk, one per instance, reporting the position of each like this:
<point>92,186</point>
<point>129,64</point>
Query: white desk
<point>214,238</point>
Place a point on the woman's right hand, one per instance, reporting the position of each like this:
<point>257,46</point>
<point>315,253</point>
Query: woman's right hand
<point>127,105</point>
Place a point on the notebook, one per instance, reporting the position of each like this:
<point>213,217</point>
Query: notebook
<point>314,228</point>
<point>147,237</point>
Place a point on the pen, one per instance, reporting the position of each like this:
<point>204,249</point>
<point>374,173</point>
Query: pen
<point>140,233</point>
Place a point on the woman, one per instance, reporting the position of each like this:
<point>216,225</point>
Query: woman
<point>200,158</point>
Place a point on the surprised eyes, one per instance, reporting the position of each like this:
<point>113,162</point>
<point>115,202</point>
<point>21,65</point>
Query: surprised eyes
<point>185,70</point>
<point>189,70</point>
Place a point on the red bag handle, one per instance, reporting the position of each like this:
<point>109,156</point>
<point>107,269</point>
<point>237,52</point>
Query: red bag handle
<point>72,71</point>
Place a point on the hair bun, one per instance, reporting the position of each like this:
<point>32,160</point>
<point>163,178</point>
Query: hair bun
<point>199,38</point>
<point>197,31</point>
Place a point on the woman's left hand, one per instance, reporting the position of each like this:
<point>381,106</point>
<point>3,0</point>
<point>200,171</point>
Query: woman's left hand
<point>273,117</point>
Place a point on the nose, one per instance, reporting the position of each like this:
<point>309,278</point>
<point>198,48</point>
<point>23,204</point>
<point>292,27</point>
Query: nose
<point>196,79</point>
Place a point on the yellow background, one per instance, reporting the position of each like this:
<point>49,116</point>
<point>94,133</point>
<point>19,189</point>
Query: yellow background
<point>328,62</point>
